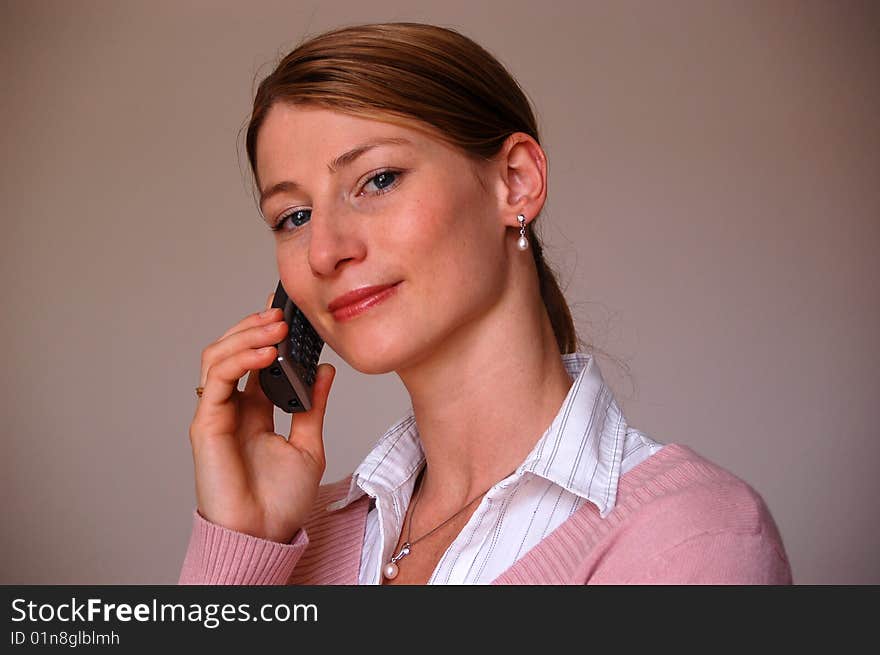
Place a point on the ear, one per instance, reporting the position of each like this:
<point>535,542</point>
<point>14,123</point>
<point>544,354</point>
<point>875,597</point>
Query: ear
<point>520,178</point>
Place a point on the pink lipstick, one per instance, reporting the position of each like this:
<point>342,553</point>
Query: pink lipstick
<point>360,300</point>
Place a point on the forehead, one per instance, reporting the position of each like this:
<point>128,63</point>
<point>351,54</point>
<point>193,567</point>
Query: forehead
<point>317,131</point>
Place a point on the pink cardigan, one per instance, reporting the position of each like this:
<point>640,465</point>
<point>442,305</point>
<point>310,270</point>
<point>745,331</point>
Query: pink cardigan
<point>679,519</point>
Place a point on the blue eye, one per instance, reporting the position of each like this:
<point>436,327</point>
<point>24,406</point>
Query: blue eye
<point>299,217</point>
<point>383,180</point>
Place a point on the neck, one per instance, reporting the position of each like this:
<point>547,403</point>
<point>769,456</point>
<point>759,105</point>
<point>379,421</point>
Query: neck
<point>484,399</point>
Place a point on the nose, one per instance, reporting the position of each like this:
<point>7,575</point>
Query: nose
<point>333,242</point>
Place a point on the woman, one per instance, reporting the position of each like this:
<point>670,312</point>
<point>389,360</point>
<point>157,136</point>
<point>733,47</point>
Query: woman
<point>402,161</point>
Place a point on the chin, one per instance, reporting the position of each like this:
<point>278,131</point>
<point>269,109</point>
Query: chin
<point>374,357</point>
<point>372,364</point>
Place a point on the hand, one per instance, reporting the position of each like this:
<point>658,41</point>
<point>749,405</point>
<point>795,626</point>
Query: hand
<point>248,478</point>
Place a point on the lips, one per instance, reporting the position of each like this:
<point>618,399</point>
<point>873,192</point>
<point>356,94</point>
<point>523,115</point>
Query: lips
<point>358,300</point>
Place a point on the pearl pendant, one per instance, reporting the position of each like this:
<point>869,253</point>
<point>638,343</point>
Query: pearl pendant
<point>391,570</point>
<point>522,243</point>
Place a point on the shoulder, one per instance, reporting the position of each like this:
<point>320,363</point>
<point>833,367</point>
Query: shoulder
<point>693,493</point>
<point>679,505</point>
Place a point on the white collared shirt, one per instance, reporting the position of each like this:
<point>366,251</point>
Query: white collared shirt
<point>580,458</point>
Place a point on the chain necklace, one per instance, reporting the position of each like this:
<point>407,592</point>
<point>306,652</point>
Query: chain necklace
<point>390,570</point>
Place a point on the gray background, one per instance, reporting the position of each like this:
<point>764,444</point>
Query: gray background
<point>714,211</point>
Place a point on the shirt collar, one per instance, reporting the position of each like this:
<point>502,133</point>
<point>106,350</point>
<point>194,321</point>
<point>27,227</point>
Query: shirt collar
<point>581,451</point>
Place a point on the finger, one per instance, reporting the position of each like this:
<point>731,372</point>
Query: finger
<point>213,353</point>
<point>257,398</point>
<point>307,428</point>
<point>263,332</point>
<point>268,314</point>
<point>252,389</point>
<point>257,318</point>
<point>257,412</point>
<point>223,378</point>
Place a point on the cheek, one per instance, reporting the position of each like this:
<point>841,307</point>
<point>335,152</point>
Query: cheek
<point>453,220</point>
<point>297,277</point>
<point>449,248</point>
<point>289,266</point>
<point>428,246</point>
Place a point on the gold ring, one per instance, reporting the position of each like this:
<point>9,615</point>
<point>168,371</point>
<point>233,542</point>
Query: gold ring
<point>200,391</point>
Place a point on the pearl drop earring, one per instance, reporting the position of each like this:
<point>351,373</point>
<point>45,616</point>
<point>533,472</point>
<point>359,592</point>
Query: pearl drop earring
<point>522,243</point>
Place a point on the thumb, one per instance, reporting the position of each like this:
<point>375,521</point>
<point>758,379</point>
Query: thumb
<point>307,428</point>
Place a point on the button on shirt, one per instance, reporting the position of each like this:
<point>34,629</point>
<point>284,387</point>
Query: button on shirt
<point>579,459</point>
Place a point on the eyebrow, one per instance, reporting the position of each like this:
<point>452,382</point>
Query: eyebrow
<point>343,160</point>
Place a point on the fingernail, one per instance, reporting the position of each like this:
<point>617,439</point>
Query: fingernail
<point>268,312</point>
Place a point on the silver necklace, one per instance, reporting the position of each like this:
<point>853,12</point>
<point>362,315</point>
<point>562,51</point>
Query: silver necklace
<point>390,570</point>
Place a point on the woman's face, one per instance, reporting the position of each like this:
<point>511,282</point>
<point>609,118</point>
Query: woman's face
<point>409,212</point>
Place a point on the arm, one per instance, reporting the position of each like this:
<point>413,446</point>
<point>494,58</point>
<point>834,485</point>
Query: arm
<point>218,556</point>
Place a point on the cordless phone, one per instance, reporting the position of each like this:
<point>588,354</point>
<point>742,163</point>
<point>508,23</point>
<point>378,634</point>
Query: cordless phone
<point>288,380</point>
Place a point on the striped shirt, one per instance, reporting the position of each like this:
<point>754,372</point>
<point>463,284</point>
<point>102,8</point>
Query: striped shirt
<point>579,459</point>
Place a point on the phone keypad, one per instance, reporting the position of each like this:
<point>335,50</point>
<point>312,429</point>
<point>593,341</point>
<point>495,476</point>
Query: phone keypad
<point>306,346</point>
